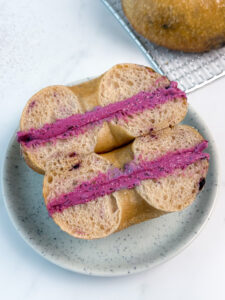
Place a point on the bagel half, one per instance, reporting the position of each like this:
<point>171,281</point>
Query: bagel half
<point>96,195</point>
<point>99,115</point>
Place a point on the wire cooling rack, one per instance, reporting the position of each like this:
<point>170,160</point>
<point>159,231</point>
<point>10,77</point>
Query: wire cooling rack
<point>190,70</point>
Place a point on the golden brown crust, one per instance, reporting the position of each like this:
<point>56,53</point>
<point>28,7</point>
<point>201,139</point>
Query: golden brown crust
<point>134,209</point>
<point>120,156</point>
<point>87,93</point>
<point>187,25</point>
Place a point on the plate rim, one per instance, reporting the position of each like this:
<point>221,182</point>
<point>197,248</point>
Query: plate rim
<point>122,271</point>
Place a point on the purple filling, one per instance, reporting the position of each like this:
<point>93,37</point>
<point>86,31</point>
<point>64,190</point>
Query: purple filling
<point>78,123</point>
<point>131,176</point>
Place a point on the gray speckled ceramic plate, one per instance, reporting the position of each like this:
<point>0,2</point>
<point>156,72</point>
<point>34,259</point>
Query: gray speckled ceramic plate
<point>132,250</point>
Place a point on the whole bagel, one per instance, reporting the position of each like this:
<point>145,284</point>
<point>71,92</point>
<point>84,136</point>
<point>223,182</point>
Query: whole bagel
<point>186,25</point>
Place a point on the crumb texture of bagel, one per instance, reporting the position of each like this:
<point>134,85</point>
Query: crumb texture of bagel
<point>125,80</point>
<point>95,219</point>
<point>163,116</point>
<point>84,143</point>
<point>164,141</point>
<point>186,25</point>
<point>177,191</point>
<point>48,105</point>
<point>45,107</point>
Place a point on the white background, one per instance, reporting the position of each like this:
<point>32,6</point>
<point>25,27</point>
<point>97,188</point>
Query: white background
<point>56,42</point>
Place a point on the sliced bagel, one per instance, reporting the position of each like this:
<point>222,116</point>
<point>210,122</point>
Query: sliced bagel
<point>95,195</point>
<point>99,115</point>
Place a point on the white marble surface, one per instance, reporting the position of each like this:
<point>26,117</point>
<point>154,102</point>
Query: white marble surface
<point>53,41</point>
